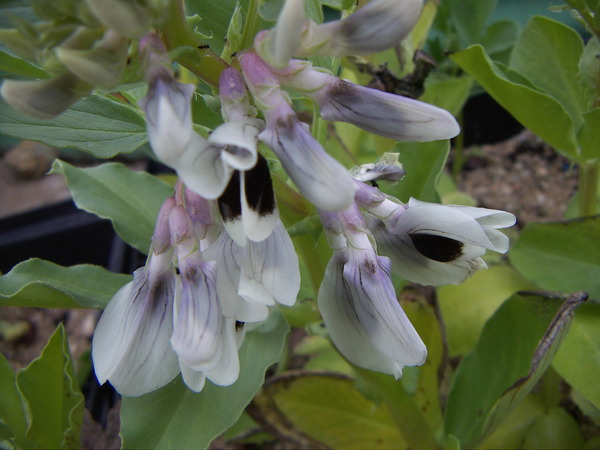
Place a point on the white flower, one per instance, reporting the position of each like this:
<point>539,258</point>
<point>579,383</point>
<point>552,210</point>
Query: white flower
<point>319,177</point>
<point>389,115</point>
<point>131,346</point>
<point>435,244</point>
<point>361,311</point>
<point>256,276</point>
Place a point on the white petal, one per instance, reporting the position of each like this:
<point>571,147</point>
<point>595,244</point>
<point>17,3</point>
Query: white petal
<point>440,220</point>
<point>169,118</point>
<point>348,334</point>
<point>378,310</point>
<point>227,370</point>
<point>280,44</point>
<point>228,256</point>
<point>131,343</point>
<point>197,327</point>
<point>415,267</point>
<point>319,177</point>
<point>202,168</point>
<point>194,379</point>
<point>238,139</point>
<point>273,263</point>
<point>262,216</point>
<point>389,115</point>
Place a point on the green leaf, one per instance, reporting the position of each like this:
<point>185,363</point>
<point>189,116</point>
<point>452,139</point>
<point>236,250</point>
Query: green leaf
<point>469,17</point>
<point>555,429</point>
<point>175,417</point>
<point>55,403</point>
<point>500,37</point>
<point>578,360</point>
<point>215,19</point>
<point>95,124</point>
<point>560,256</point>
<point>515,349</point>
<point>18,66</point>
<point>589,75</point>
<point>450,93</point>
<point>547,54</point>
<point>529,106</point>
<point>12,412</point>
<point>131,200</point>
<point>326,409</point>
<point>467,306</point>
<point>589,135</point>
<point>42,284</point>
<point>423,163</point>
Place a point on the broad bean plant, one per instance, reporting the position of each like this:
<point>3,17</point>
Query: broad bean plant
<point>302,277</point>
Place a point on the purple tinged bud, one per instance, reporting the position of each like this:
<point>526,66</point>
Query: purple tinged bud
<point>161,239</point>
<point>182,230</point>
<point>199,211</point>
<point>235,103</point>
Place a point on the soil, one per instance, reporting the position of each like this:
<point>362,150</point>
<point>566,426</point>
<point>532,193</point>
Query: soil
<point>521,174</point>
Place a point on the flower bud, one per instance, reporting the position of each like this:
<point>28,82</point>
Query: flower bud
<point>45,99</point>
<point>128,18</point>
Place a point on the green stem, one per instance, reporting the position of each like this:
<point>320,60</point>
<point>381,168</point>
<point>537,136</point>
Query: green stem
<point>408,417</point>
<point>201,61</point>
<point>589,172</point>
<point>250,25</point>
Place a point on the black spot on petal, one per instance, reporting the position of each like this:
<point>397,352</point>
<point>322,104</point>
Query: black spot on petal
<point>239,325</point>
<point>230,206</point>
<point>259,188</point>
<point>438,248</point>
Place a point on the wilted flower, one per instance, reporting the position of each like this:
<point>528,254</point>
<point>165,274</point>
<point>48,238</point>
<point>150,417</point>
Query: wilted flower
<point>358,302</point>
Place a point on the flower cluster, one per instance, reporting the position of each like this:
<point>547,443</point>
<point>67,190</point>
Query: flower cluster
<point>220,255</point>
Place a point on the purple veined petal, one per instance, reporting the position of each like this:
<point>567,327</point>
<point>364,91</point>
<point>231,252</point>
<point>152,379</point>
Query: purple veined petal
<point>227,369</point>
<point>197,320</point>
<point>228,256</point>
<point>387,326</point>
<point>347,332</point>
<point>44,99</point>
<point>379,25</point>
<point>415,267</point>
<point>202,168</point>
<point>193,379</point>
<point>169,118</point>
<point>388,115</point>
<point>270,269</point>
<point>131,346</point>
<point>319,177</point>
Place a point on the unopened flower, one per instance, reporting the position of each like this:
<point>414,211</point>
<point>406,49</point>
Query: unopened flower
<point>131,347</point>
<point>359,305</point>
<point>319,177</point>
<point>132,19</point>
<point>379,25</point>
<point>389,115</point>
<point>101,65</point>
<point>434,244</point>
<point>45,99</point>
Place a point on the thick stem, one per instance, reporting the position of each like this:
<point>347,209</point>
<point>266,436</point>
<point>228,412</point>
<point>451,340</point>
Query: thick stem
<point>589,172</point>
<point>251,25</point>
<point>202,62</point>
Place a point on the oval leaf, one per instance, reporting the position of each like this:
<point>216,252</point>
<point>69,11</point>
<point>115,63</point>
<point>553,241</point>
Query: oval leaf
<point>131,200</point>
